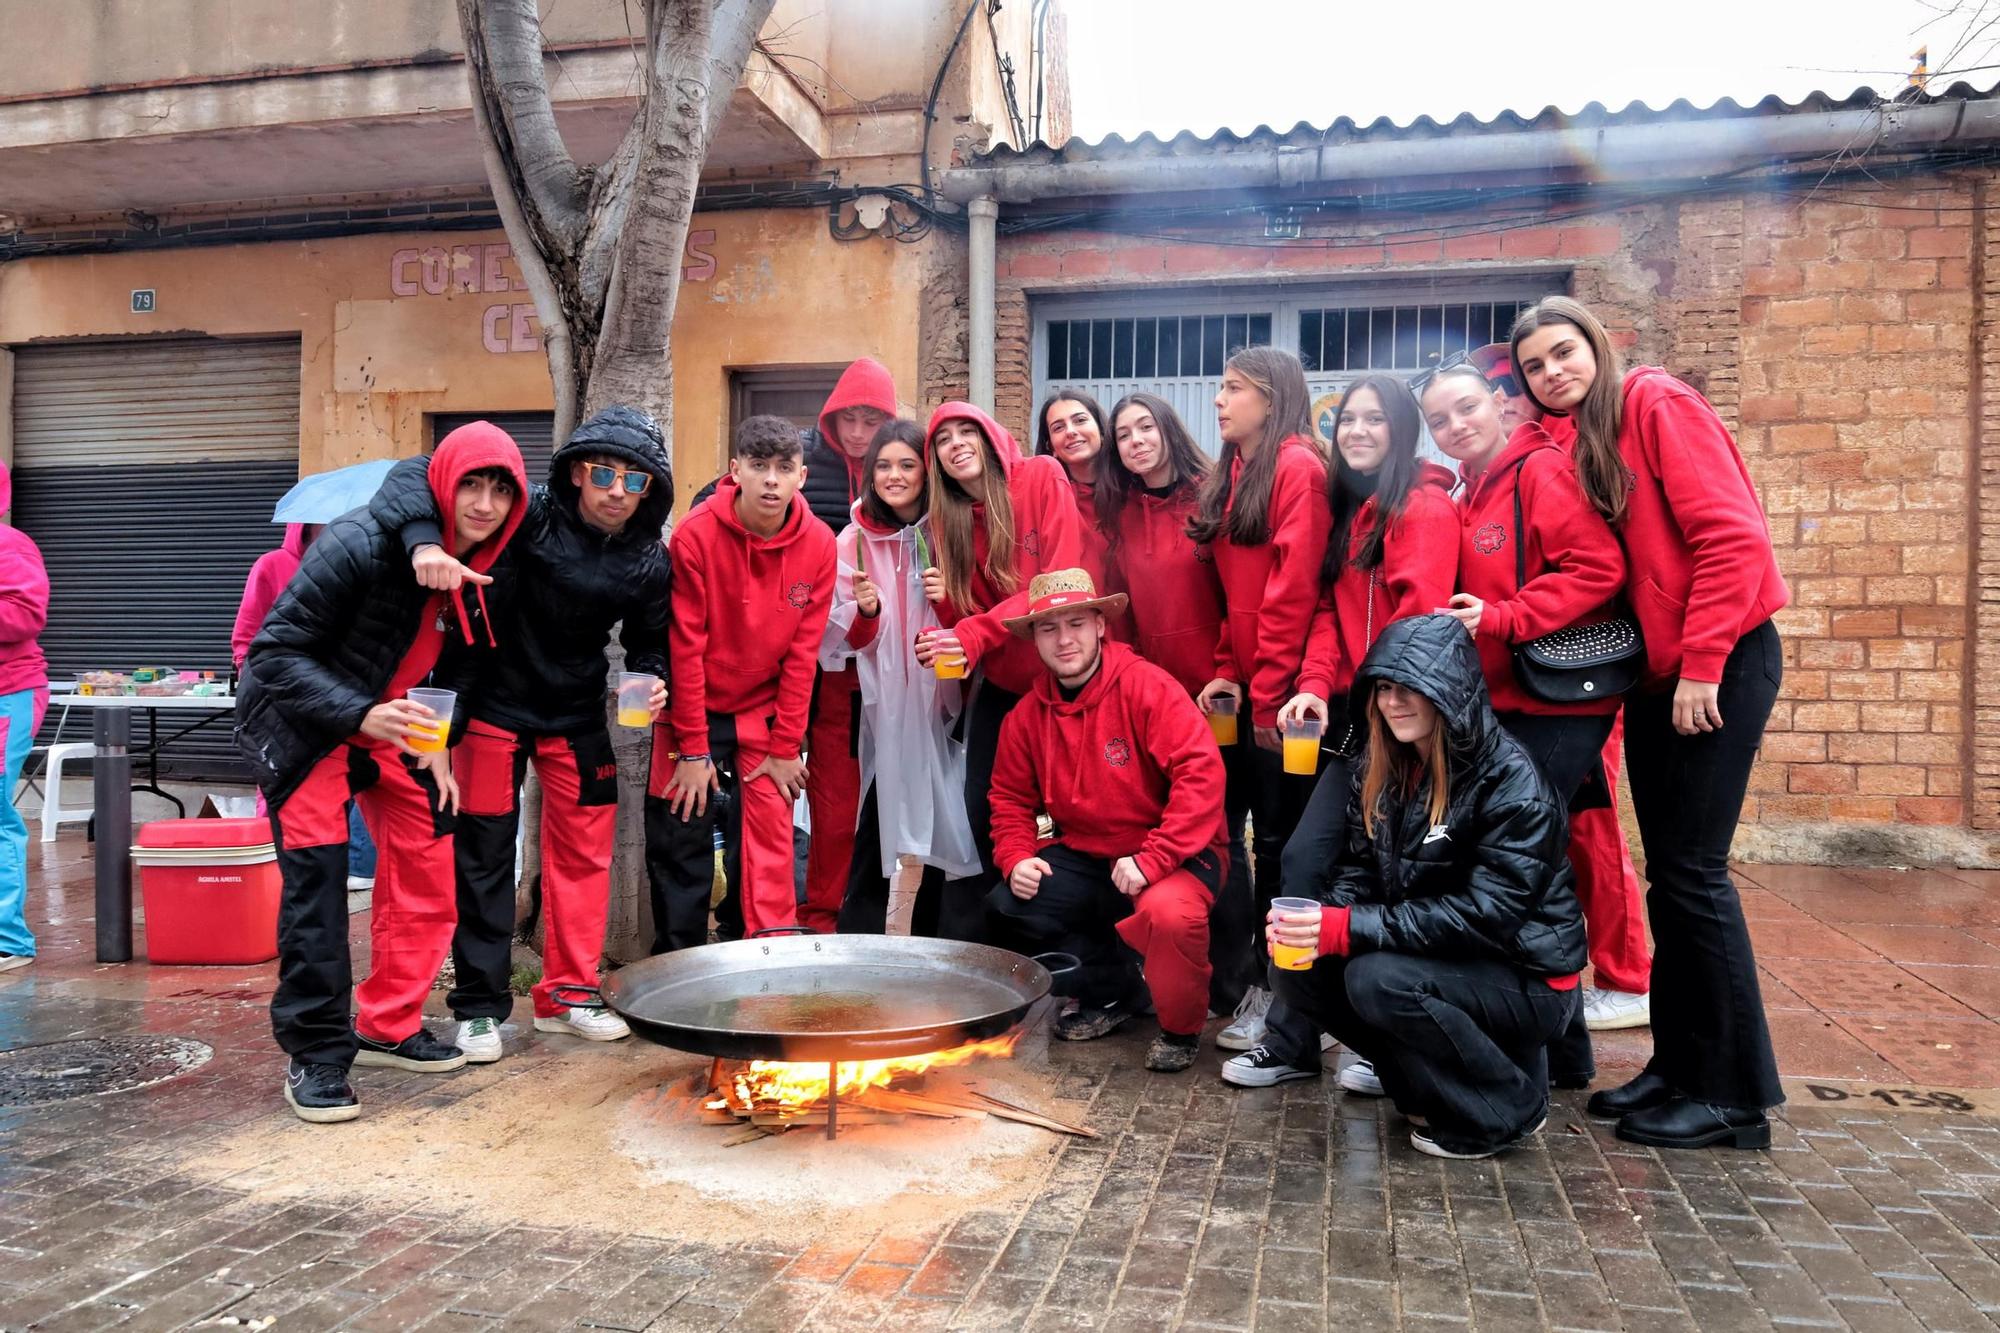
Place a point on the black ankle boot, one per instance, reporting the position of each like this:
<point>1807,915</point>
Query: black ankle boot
<point>1647,1090</point>
<point>1683,1122</point>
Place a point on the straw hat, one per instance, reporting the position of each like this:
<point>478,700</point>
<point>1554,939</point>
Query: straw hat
<point>1058,591</point>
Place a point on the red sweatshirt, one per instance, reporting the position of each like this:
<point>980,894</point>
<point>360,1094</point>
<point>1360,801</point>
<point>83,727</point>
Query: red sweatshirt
<point>1418,572</point>
<point>24,603</point>
<point>470,448</point>
<point>268,577</point>
<point>1128,768</point>
<point>766,600</point>
<point>1048,534</point>
<point>1176,598</point>
<point>1703,572</point>
<point>1575,565</point>
<point>1269,590</point>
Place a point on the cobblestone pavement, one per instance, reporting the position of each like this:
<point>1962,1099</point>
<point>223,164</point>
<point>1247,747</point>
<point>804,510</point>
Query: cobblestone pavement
<point>1198,1207</point>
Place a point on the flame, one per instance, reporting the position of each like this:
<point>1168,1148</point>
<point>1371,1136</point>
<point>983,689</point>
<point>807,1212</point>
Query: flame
<point>795,1086</point>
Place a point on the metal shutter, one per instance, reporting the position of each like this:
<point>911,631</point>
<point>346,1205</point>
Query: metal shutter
<point>532,431</point>
<point>147,471</point>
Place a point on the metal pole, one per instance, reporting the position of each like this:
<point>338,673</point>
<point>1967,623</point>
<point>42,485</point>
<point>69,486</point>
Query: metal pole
<point>832,1099</point>
<point>984,215</point>
<point>111,782</point>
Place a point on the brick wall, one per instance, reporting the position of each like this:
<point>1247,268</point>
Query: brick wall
<point>1839,341</point>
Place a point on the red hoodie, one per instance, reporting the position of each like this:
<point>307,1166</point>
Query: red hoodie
<point>1418,572</point>
<point>1703,571</point>
<point>1127,768</point>
<point>767,599</point>
<point>24,603</point>
<point>1270,589</point>
<point>268,577</point>
<point>473,446</point>
<point>1048,534</point>
<point>1575,565</point>
<point>865,383</point>
<point>1176,597</point>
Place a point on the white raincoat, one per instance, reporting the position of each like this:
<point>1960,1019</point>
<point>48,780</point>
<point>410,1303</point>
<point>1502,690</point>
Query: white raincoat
<point>906,711</point>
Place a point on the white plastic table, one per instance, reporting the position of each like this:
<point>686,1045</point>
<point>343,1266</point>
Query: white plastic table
<point>111,792</point>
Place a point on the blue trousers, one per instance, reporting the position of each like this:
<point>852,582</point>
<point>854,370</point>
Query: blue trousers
<point>20,716</point>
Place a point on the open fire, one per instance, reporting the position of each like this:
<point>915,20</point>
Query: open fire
<point>771,1096</point>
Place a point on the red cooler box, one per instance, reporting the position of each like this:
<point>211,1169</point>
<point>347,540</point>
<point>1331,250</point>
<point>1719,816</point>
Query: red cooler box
<point>211,890</point>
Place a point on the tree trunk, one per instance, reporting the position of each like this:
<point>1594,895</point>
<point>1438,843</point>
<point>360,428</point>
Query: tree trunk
<point>600,251</point>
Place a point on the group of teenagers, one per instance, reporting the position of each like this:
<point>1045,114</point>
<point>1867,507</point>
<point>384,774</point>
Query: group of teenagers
<point>1025,674</point>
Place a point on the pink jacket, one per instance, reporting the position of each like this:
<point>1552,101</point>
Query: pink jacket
<point>24,603</point>
<point>268,577</point>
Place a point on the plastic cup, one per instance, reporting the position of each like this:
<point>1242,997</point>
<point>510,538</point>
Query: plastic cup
<point>1222,718</point>
<point>948,666</point>
<point>1288,957</point>
<point>1302,747</point>
<point>442,703</point>
<point>635,698</point>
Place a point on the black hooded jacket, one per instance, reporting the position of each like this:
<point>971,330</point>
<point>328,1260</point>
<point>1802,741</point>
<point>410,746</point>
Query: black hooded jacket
<point>1492,880</point>
<point>573,583</point>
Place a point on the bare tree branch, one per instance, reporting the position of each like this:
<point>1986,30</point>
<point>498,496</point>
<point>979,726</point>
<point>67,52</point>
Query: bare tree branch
<point>503,48</point>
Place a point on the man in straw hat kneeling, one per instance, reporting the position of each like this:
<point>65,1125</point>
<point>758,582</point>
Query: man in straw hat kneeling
<point>1113,750</point>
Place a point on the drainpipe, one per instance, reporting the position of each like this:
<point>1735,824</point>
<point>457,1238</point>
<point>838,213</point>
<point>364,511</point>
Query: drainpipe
<point>985,218</point>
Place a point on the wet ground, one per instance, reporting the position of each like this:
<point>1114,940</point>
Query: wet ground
<point>566,1186</point>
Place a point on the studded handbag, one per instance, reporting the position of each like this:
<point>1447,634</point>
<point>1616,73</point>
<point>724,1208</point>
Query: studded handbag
<point>1583,662</point>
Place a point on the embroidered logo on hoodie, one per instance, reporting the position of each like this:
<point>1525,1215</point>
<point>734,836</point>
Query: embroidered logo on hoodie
<point>1489,538</point>
<point>799,594</point>
<point>1031,541</point>
<point>1118,752</point>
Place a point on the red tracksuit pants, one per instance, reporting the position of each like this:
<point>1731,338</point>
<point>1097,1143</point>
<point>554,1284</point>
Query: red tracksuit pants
<point>409,928</point>
<point>1607,885</point>
<point>833,794</point>
<point>756,825</point>
<point>579,777</point>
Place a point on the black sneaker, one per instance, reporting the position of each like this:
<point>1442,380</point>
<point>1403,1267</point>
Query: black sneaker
<point>1172,1052</point>
<point>320,1094</point>
<point>1261,1067</point>
<point>420,1051</point>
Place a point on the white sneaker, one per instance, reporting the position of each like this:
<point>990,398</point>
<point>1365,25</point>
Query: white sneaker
<point>590,1024</point>
<point>360,883</point>
<point>1358,1077</point>
<point>479,1038</point>
<point>1610,1010</point>
<point>1246,1030</point>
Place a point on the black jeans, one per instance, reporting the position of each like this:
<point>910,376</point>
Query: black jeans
<point>1274,799</point>
<point>1710,1038</point>
<point>1568,749</point>
<point>1307,864</point>
<point>962,905</point>
<point>1460,1043</point>
<point>1231,918</point>
<point>864,910</point>
<point>680,854</point>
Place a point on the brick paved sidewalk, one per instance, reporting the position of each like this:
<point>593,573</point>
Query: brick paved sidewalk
<point>1198,1207</point>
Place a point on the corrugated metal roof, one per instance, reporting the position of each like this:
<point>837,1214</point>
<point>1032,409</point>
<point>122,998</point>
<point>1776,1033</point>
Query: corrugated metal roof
<point>1348,130</point>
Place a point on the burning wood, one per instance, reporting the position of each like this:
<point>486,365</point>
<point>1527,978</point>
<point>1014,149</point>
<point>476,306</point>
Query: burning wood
<point>772,1096</point>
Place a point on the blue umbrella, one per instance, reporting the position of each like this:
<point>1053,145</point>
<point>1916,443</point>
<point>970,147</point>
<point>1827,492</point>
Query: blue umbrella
<point>325,496</point>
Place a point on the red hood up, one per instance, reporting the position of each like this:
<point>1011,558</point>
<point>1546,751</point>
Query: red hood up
<point>473,446</point>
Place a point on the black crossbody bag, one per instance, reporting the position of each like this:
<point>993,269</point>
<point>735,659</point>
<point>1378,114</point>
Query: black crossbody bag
<point>1583,662</point>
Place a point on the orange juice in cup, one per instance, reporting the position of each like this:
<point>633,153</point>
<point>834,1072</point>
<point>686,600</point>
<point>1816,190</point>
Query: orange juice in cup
<point>1290,957</point>
<point>635,698</point>
<point>1301,742</point>
<point>431,737</point>
<point>1222,718</point>
<point>949,666</point>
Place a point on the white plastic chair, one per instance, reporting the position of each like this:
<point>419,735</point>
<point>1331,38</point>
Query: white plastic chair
<point>53,812</point>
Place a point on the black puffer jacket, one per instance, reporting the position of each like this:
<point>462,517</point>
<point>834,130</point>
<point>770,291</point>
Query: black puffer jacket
<point>337,634</point>
<point>1493,879</point>
<point>575,583</point>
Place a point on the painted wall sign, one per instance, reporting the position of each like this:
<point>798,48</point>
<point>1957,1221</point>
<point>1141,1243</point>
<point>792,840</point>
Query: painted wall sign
<point>489,269</point>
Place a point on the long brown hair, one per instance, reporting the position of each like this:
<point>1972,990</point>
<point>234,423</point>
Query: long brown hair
<point>1089,404</point>
<point>952,522</point>
<point>1396,769</point>
<point>1280,377</point>
<point>1116,482</point>
<point>1600,469</point>
<point>896,430</point>
<point>1395,479</point>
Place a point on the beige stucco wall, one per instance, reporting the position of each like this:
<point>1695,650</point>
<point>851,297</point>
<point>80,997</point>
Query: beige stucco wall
<point>397,326</point>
